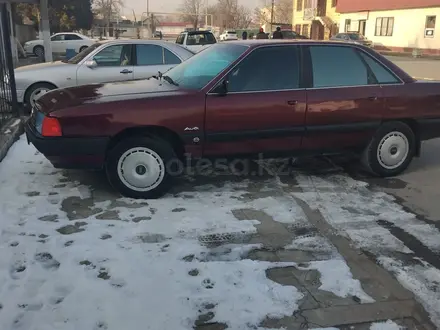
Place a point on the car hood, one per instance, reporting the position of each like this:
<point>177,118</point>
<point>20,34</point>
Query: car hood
<point>100,93</point>
<point>42,66</point>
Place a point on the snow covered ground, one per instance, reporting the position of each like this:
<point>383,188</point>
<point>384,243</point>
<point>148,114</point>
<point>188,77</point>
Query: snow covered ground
<point>74,255</point>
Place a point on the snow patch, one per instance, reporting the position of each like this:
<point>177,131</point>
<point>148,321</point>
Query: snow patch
<point>336,277</point>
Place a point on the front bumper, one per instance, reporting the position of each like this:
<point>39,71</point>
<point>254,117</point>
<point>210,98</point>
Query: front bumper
<point>69,152</point>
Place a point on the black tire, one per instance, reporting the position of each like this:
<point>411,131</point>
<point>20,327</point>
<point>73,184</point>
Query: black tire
<point>371,158</point>
<point>39,51</point>
<point>170,164</point>
<point>32,89</point>
<point>82,48</point>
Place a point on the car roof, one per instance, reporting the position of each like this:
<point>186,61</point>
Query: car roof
<point>260,42</point>
<point>198,32</point>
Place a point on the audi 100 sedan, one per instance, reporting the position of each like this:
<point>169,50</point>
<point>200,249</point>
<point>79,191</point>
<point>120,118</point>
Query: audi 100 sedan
<point>269,97</point>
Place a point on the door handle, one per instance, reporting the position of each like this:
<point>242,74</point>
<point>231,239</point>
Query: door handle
<point>292,102</point>
<point>373,98</point>
<point>126,71</point>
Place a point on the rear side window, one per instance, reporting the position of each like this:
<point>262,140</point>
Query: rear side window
<point>72,37</point>
<point>335,66</point>
<point>170,58</point>
<point>282,74</point>
<point>382,74</point>
<point>149,55</point>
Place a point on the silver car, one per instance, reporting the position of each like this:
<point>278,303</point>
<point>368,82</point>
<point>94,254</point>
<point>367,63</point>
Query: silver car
<point>109,61</point>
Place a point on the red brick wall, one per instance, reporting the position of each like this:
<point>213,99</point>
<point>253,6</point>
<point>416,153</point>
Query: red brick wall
<point>350,6</point>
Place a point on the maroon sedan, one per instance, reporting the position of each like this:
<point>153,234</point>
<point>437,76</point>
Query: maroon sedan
<point>267,97</point>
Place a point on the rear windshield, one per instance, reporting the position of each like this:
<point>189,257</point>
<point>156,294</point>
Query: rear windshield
<point>356,36</point>
<point>231,32</point>
<point>200,39</point>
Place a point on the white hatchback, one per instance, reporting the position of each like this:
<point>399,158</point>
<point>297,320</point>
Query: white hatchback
<point>228,35</point>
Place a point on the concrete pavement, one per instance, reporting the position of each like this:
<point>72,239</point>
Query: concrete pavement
<point>419,68</point>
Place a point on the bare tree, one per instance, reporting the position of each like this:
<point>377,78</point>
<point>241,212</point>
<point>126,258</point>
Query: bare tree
<point>282,12</point>
<point>191,11</point>
<point>106,9</point>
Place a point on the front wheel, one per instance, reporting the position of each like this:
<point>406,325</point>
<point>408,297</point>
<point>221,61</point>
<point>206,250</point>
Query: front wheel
<point>391,149</point>
<point>142,167</point>
<point>83,48</point>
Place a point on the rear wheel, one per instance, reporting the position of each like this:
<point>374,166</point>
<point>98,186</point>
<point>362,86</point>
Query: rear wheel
<point>83,48</point>
<point>391,149</point>
<point>142,167</point>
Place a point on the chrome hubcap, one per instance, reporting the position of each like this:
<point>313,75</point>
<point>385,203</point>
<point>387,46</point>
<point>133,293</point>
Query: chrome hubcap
<point>36,94</point>
<point>393,150</point>
<point>141,169</point>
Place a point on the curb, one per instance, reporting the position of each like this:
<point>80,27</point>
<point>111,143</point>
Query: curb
<point>10,133</point>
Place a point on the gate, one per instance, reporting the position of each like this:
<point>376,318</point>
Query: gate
<point>8,93</point>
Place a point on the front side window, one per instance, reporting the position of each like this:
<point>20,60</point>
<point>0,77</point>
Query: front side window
<point>116,55</point>
<point>274,75</point>
<point>190,74</point>
<point>58,37</point>
<point>382,74</point>
<point>335,66</point>
<point>149,55</point>
<point>384,26</point>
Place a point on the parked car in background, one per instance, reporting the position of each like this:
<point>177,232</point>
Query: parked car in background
<point>288,34</point>
<point>228,35</point>
<point>196,40</point>
<point>223,102</point>
<point>354,37</point>
<point>59,42</point>
<point>108,61</point>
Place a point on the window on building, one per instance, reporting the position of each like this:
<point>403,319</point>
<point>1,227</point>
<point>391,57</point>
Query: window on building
<point>329,61</point>
<point>298,28</point>
<point>347,25</point>
<point>305,30</point>
<point>430,22</point>
<point>299,5</point>
<point>307,4</point>
<point>334,3</point>
<point>384,26</point>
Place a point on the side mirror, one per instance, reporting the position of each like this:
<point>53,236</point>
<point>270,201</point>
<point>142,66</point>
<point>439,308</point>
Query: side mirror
<point>91,64</point>
<point>222,88</point>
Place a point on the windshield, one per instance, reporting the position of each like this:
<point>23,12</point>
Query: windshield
<point>79,57</point>
<point>200,69</point>
<point>356,36</point>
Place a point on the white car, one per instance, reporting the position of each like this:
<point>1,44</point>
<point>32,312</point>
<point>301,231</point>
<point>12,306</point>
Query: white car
<point>196,41</point>
<point>108,61</point>
<point>60,42</point>
<point>228,35</point>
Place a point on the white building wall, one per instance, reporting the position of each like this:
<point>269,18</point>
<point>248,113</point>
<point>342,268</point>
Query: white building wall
<point>408,31</point>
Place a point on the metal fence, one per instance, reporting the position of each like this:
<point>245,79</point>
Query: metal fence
<point>8,94</point>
